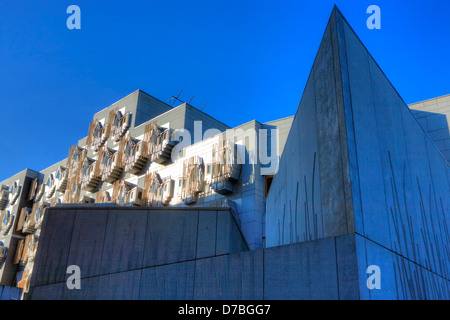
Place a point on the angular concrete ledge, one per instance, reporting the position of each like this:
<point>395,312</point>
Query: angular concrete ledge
<point>113,240</point>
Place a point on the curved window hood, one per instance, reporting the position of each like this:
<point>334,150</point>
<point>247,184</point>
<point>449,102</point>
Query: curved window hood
<point>6,222</point>
<point>3,251</point>
<point>161,145</point>
<point>51,186</point>
<point>111,166</point>
<point>40,192</point>
<point>224,169</point>
<point>99,136</point>
<point>33,189</point>
<point>129,194</point>
<point>135,155</point>
<point>90,175</point>
<point>120,125</point>
<point>152,189</point>
<point>15,191</point>
<point>193,179</point>
<point>62,177</point>
<point>34,219</point>
<point>4,196</point>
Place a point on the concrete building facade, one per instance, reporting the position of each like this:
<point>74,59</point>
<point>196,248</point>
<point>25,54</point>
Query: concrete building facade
<point>141,152</point>
<point>169,203</point>
<point>434,116</point>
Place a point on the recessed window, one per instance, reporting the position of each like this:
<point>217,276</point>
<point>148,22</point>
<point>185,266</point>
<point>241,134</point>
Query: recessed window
<point>268,183</point>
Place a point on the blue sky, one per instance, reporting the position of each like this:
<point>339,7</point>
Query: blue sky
<point>246,59</point>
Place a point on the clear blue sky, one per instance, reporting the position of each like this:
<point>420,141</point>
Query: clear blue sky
<point>245,59</point>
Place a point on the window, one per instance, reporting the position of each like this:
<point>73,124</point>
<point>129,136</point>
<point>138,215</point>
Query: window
<point>208,169</point>
<point>98,127</point>
<point>267,183</point>
<point>85,168</point>
<point>117,119</point>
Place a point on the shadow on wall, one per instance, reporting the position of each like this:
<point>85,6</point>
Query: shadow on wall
<point>437,127</point>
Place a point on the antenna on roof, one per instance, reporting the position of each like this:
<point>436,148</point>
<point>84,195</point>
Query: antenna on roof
<point>176,98</point>
<point>173,99</point>
<point>203,106</point>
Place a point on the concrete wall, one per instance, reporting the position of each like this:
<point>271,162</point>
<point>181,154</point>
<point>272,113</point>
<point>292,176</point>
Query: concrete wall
<point>375,173</point>
<point>148,107</point>
<point>309,197</point>
<point>400,278</point>
<point>142,106</point>
<point>111,243</point>
<point>283,126</point>
<point>323,269</point>
<point>403,180</point>
<point>10,293</point>
<point>434,116</point>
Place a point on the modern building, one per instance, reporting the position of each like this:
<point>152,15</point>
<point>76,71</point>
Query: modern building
<point>160,202</point>
<point>133,156</point>
<point>434,116</point>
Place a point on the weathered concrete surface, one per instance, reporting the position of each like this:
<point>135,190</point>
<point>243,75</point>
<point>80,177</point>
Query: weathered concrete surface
<point>434,116</point>
<point>308,198</point>
<point>378,173</point>
<point>116,242</point>
<point>309,270</point>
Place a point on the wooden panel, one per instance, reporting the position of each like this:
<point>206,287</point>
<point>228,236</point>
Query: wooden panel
<point>19,250</point>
